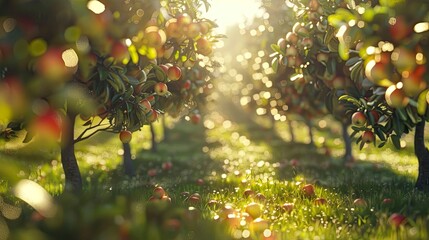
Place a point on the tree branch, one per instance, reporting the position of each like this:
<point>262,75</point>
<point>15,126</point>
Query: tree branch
<point>90,128</point>
<point>81,138</point>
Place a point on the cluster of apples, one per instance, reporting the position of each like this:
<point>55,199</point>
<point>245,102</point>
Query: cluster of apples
<point>361,120</point>
<point>159,194</point>
<point>401,70</point>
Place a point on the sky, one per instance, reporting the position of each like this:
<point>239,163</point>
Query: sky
<point>229,12</point>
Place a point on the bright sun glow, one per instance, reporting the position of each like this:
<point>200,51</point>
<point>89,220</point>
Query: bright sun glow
<point>227,13</point>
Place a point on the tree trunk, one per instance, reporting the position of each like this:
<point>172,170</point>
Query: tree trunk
<point>291,132</point>
<point>154,147</point>
<point>310,132</point>
<point>128,164</point>
<point>348,157</point>
<point>165,128</point>
<point>68,157</point>
<point>422,155</point>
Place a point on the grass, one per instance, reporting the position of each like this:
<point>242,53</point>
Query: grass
<point>220,162</point>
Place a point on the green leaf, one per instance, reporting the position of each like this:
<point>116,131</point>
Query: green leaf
<point>275,64</point>
<point>396,141</point>
<point>275,47</point>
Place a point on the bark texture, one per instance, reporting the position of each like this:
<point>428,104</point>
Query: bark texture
<point>128,164</point>
<point>68,158</point>
<point>422,155</point>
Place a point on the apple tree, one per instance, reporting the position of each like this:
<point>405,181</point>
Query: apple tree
<point>310,50</point>
<point>93,59</point>
<point>391,63</point>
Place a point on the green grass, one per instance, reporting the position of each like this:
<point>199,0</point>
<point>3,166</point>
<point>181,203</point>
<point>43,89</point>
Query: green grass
<point>230,156</point>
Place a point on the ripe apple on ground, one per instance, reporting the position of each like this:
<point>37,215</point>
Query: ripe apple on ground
<point>194,199</point>
<point>260,197</point>
<point>308,190</point>
<point>249,193</point>
<point>294,162</point>
<point>387,200</point>
<point>288,207</point>
<point>359,202</point>
<point>320,201</point>
<point>158,192</point>
<point>254,210</point>
<point>167,166</point>
<point>125,136</point>
<point>200,181</point>
<point>397,219</point>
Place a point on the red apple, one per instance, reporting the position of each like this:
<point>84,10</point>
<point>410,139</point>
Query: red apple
<point>119,50</point>
<point>375,115</point>
<point>158,192</point>
<point>308,190</point>
<point>205,27</point>
<point>155,37</point>
<point>204,47</point>
<point>172,28</point>
<point>294,162</point>
<point>368,137</point>
<point>260,197</point>
<point>200,181</point>
<point>161,89</point>
<point>145,105</point>
<point>359,202</point>
<point>282,44</point>
<point>413,85</point>
<point>167,166</point>
<point>152,172</point>
<point>320,201</point>
<point>187,84</point>
<point>194,199</point>
<point>174,73</point>
<point>307,42</point>
<point>387,200</point>
<point>195,118</point>
<point>359,119</point>
<point>397,219</point>
<point>184,19</point>
<point>288,207</point>
<point>248,193</point>
<point>400,29</point>
<point>395,97</point>
<point>313,5</point>
<point>125,136</point>
<point>164,68</point>
<point>292,38</point>
<point>193,30</point>
<point>51,65</point>
<point>152,115</point>
<point>166,198</point>
<point>404,59</point>
<point>254,210</point>
<point>291,51</point>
